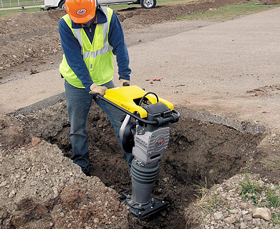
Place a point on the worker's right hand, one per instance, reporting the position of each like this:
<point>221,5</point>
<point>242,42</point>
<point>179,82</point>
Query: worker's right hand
<point>94,89</point>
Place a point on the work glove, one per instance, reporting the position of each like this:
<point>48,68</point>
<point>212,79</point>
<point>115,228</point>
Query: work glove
<point>122,82</point>
<point>94,89</point>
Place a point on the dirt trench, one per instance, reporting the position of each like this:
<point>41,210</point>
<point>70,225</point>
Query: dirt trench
<point>203,150</point>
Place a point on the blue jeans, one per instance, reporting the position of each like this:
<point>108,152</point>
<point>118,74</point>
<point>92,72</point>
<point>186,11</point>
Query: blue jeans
<point>78,105</point>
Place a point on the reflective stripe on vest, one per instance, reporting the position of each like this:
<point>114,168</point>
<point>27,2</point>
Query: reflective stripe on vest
<point>98,55</point>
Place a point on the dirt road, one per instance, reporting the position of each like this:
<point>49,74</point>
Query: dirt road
<point>216,72</point>
<point>230,68</point>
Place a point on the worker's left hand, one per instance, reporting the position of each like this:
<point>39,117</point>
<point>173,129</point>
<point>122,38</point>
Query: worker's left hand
<point>94,89</point>
<point>121,83</point>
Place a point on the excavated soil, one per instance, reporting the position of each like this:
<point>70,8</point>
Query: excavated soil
<point>200,152</point>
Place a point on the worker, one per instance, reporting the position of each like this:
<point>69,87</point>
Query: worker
<point>90,36</point>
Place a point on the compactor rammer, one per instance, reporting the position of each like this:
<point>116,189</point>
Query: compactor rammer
<point>144,133</point>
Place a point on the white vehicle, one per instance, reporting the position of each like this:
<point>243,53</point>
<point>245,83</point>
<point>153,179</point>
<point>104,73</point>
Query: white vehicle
<point>147,4</point>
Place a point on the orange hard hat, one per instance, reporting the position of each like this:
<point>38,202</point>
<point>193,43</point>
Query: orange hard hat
<point>80,11</point>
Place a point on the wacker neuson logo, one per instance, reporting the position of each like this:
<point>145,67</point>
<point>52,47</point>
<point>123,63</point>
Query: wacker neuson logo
<point>159,142</point>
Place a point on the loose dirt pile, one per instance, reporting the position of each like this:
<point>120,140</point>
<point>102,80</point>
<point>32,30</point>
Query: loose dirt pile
<point>40,188</point>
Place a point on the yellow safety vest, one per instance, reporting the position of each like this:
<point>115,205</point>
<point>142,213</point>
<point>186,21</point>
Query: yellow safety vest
<point>98,55</point>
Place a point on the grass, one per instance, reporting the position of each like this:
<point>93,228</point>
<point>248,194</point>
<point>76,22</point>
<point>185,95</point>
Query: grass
<point>250,190</point>
<point>229,11</point>
<point>262,197</point>
<point>18,3</point>
<point>272,198</point>
<point>205,201</point>
<point>13,11</point>
<point>271,165</point>
<point>275,217</point>
<point>274,201</point>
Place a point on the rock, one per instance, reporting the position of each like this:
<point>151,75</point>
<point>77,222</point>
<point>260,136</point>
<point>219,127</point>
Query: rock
<point>70,196</point>
<point>263,213</point>
<point>272,187</point>
<point>260,184</point>
<point>247,217</point>
<point>96,220</point>
<point>230,219</point>
<point>244,205</point>
<point>218,216</point>
<point>234,211</point>
<point>163,213</point>
<point>3,213</point>
<point>35,141</point>
<point>12,194</point>
<point>3,183</point>
<point>244,212</point>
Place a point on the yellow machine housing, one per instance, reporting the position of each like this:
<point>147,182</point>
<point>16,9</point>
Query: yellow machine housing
<point>128,96</point>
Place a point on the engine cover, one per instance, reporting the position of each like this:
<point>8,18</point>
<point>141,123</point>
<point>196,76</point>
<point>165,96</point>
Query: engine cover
<point>149,145</point>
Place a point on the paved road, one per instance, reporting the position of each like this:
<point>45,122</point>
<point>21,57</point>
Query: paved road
<point>210,69</point>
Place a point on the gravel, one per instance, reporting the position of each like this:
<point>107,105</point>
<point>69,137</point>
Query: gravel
<point>222,206</point>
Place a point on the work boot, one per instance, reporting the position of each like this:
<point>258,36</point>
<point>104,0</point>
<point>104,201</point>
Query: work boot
<point>86,171</point>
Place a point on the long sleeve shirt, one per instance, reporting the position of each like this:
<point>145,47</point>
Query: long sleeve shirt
<point>72,48</point>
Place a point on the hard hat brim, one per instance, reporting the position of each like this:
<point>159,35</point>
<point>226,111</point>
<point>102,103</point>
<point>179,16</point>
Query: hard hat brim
<point>82,20</point>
